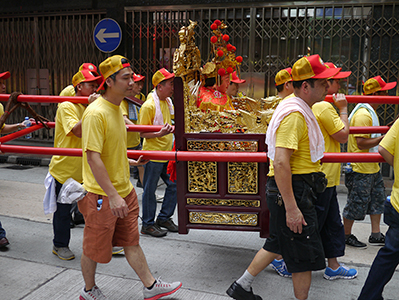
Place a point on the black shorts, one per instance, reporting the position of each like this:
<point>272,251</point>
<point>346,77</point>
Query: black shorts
<point>301,252</point>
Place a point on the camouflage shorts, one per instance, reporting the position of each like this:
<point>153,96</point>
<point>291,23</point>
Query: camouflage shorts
<point>366,195</point>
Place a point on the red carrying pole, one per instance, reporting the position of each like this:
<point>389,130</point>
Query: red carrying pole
<point>368,99</point>
<point>193,155</point>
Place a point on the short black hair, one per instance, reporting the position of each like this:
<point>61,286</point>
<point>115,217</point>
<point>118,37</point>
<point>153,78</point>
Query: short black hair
<point>280,87</point>
<point>298,84</point>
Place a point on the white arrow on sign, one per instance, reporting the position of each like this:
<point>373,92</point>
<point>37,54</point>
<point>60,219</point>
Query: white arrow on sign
<point>101,35</point>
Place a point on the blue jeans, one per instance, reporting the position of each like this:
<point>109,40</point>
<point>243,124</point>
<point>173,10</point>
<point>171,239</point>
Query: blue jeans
<point>61,221</point>
<point>2,232</point>
<point>154,171</point>
<point>387,258</point>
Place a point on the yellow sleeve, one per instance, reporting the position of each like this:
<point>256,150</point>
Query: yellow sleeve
<point>328,117</point>
<point>125,108</point>
<point>93,133</point>
<point>2,113</point>
<point>68,116</point>
<point>390,139</point>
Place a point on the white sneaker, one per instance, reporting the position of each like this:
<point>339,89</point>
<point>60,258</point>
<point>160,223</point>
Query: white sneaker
<point>94,294</point>
<point>117,250</point>
<point>161,289</point>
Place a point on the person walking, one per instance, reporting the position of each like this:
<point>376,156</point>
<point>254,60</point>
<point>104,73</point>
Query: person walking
<point>295,147</point>
<point>110,207</point>
<point>158,110</point>
<point>68,133</point>
<point>366,190</point>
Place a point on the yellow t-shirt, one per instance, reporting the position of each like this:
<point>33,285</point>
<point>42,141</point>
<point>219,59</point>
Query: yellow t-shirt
<point>293,134</point>
<point>147,114</point>
<point>2,113</point>
<point>133,138</point>
<point>68,91</point>
<point>390,142</point>
<point>330,123</point>
<point>361,118</point>
<point>64,167</point>
<point>104,131</point>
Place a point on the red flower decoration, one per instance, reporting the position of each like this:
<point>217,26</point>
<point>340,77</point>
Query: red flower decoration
<point>220,53</point>
<point>234,49</point>
<point>229,70</point>
<point>214,39</point>
<point>239,59</point>
<point>229,47</point>
<point>222,72</point>
<point>218,23</point>
<point>226,38</point>
<point>214,26</point>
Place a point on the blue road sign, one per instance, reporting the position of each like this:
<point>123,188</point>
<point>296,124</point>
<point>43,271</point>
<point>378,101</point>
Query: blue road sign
<point>107,35</point>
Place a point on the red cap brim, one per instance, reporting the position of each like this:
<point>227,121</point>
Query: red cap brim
<point>239,80</point>
<point>342,75</point>
<point>388,86</point>
<point>5,75</point>
<point>328,73</point>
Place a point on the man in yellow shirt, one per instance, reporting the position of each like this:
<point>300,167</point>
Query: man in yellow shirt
<point>366,191</point>
<point>158,110</point>
<point>70,89</point>
<point>295,147</point>
<point>110,207</point>
<point>387,259</point>
<point>335,129</point>
<point>68,133</point>
<point>130,113</point>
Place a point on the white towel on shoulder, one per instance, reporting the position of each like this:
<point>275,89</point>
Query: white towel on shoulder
<point>290,105</point>
<point>158,119</point>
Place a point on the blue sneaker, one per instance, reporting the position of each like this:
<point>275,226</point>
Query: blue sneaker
<point>280,267</point>
<point>342,272</point>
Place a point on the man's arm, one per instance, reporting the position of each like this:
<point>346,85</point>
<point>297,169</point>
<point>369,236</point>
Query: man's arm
<point>13,127</point>
<point>342,105</point>
<point>77,129</point>
<point>166,129</point>
<point>282,174</point>
<point>386,155</point>
<point>116,202</point>
<point>367,143</point>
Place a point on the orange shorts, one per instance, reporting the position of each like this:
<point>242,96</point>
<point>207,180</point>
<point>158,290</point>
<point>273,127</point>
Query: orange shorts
<point>103,230</point>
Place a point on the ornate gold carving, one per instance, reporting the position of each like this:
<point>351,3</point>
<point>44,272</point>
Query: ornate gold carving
<point>223,202</point>
<point>252,116</point>
<point>219,145</point>
<point>202,177</point>
<point>223,218</point>
<point>243,177</point>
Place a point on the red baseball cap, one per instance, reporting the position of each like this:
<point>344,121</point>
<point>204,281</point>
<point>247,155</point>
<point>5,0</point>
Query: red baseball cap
<point>5,75</point>
<point>161,75</point>
<point>235,79</point>
<point>376,84</point>
<point>85,76</point>
<point>90,67</point>
<point>312,67</point>
<point>340,75</point>
<point>138,77</point>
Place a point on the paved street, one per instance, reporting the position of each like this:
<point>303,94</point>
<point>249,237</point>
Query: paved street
<point>205,261</point>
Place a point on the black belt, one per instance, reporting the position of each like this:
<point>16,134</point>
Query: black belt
<point>295,177</point>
